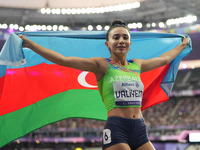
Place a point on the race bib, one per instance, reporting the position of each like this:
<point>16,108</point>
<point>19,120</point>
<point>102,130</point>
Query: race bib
<point>106,136</point>
<point>128,93</point>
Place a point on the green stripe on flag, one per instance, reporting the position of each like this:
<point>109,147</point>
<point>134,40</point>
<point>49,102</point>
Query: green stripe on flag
<point>81,103</point>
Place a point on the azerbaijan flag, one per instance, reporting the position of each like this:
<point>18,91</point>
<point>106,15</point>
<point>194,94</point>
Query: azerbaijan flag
<point>35,92</point>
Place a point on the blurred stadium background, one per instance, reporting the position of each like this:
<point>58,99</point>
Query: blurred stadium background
<point>173,125</point>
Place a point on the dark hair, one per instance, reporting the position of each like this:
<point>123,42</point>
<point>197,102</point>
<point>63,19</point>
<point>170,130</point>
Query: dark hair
<point>114,24</point>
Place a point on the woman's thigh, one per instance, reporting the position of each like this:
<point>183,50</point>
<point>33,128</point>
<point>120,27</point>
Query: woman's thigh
<point>146,146</point>
<point>119,146</point>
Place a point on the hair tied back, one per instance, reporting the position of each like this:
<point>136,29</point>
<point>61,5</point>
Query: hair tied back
<point>118,22</point>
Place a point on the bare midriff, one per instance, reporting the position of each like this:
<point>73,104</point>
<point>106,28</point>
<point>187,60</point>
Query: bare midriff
<point>130,112</point>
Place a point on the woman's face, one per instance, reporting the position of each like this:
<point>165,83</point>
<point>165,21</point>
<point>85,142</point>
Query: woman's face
<point>119,41</point>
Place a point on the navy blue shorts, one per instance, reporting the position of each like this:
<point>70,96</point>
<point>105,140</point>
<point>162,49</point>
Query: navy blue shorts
<point>123,130</point>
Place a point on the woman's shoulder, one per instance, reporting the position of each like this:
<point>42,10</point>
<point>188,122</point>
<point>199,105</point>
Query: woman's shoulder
<point>102,64</point>
<point>100,60</point>
<point>138,61</point>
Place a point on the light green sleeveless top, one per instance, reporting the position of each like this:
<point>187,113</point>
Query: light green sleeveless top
<point>121,86</point>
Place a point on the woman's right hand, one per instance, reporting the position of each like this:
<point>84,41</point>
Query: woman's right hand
<point>26,42</point>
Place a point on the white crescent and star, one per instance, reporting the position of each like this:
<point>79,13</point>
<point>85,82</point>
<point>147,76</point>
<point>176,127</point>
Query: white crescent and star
<point>83,82</point>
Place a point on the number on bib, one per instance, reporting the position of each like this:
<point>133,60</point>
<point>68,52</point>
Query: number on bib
<point>106,136</point>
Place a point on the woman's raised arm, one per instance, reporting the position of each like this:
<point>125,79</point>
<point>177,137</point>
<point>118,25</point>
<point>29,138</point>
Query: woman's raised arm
<point>164,59</point>
<point>86,64</point>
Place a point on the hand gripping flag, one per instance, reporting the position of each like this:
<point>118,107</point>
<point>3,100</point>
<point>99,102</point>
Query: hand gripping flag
<point>35,92</point>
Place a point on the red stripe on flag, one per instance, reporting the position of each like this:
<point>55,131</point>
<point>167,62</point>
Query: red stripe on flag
<point>25,86</point>
<point>153,93</point>
<point>2,79</point>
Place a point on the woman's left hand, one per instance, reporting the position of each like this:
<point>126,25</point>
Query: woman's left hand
<point>185,41</point>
